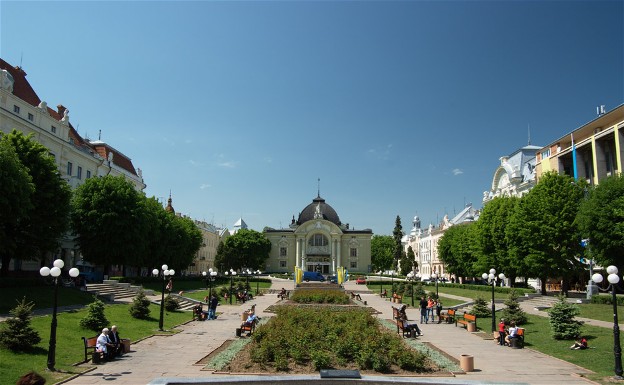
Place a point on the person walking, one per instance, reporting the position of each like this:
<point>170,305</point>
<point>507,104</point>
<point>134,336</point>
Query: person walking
<point>423,310</point>
<point>430,305</point>
<point>212,307</point>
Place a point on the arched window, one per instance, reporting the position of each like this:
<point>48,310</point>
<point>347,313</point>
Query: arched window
<point>318,240</point>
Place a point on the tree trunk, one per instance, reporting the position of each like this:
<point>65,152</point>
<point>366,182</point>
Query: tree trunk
<point>543,282</point>
<point>4,270</point>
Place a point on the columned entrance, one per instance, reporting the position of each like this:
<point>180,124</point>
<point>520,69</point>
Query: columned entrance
<point>322,264</point>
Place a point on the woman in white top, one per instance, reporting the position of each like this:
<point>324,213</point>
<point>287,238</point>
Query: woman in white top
<point>511,333</point>
<point>103,341</point>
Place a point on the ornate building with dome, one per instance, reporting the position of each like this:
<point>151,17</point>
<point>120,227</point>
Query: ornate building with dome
<point>318,241</point>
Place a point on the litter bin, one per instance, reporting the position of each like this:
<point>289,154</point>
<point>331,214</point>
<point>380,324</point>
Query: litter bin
<point>466,362</point>
<point>126,345</point>
<point>471,327</point>
<point>238,332</point>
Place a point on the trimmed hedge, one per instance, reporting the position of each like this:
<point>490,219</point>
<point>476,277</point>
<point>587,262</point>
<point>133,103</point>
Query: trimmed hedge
<point>606,300</point>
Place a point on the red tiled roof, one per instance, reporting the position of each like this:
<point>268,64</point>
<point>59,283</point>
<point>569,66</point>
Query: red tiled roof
<point>23,90</point>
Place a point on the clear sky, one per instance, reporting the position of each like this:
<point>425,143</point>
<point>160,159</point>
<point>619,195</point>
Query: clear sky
<point>400,108</point>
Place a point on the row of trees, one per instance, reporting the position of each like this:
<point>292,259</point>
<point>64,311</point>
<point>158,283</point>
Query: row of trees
<point>114,223</point>
<point>245,249</point>
<point>539,235</point>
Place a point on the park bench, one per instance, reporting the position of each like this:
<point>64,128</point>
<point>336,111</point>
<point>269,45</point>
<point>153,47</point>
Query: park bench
<point>468,319</point>
<point>449,316</point>
<point>396,298</point>
<point>401,328</point>
<point>90,346</point>
<point>518,342</point>
<point>384,294</point>
<point>283,296</point>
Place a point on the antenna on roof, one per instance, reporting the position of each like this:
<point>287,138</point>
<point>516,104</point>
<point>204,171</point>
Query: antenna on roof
<point>21,57</point>
<point>529,130</point>
<point>100,135</point>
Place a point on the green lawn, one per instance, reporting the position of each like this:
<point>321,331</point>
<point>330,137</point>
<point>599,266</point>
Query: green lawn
<point>599,358</point>
<point>42,296</point>
<point>600,312</point>
<point>70,348</point>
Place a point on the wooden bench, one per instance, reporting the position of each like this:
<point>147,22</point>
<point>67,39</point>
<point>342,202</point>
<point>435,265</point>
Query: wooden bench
<point>90,346</point>
<point>518,342</point>
<point>401,328</point>
<point>384,294</point>
<point>468,318</point>
<point>449,316</point>
<point>396,298</point>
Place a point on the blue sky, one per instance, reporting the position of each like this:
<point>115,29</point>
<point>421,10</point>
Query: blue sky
<point>400,108</point>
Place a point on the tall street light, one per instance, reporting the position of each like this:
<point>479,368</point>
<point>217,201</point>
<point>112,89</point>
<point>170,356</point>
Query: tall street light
<point>55,272</point>
<point>166,272</point>
<point>436,277</point>
<point>210,276</point>
<point>613,279</point>
<point>258,272</point>
<point>247,284</point>
<point>232,273</point>
<point>491,278</point>
<point>410,278</point>
<point>380,280</point>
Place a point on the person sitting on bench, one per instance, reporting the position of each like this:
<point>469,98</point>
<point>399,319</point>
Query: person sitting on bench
<point>384,293</point>
<point>251,320</point>
<point>408,326</point>
<point>282,294</point>
<point>512,333</point>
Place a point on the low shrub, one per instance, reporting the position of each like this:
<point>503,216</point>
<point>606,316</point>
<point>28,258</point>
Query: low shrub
<point>320,296</point>
<point>95,319</point>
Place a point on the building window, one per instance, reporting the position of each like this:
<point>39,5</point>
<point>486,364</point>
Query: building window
<point>283,264</point>
<point>53,129</point>
<point>353,264</point>
<point>318,240</point>
<point>353,252</point>
<point>79,173</point>
<point>31,117</point>
<point>545,154</point>
<point>283,251</point>
<point>70,168</point>
<point>88,174</point>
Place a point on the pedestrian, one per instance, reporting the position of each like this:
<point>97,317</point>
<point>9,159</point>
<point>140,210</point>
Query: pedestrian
<point>439,310</point>
<point>430,305</point>
<point>501,332</point>
<point>212,307</point>
<point>169,286</point>
<point>423,310</point>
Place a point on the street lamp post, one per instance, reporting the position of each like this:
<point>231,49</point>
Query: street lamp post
<point>258,272</point>
<point>613,279</point>
<point>410,277</point>
<point>210,276</point>
<point>55,272</point>
<point>436,277</point>
<point>247,287</point>
<point>166,272</point>
<point>392,281</point>
<point>380,280</point>
<point>232,274</point>
<point>491,278</point>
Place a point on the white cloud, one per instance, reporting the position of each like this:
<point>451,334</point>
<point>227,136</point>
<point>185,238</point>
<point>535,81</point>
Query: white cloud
<point>457,171</point>
<point>204,186</point>
<point>227,164</point>
<point>382,154</point>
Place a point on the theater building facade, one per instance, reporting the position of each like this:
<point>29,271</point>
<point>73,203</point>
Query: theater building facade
<point>319,241</point>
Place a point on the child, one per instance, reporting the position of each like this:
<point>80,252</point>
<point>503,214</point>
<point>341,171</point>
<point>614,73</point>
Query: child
<point>580,344</point>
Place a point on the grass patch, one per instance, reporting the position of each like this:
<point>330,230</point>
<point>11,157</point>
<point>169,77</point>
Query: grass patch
<point>601,312</point>
<point>42,297</point>
<point>69,346</point>
<point>599,358</point>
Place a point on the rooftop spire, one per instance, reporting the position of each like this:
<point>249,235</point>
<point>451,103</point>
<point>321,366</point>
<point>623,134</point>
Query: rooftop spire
<point>318,194</point>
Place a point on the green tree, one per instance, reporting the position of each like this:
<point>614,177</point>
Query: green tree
<point>601,219</point>
<point>512,310</point>
<point>456,249</point>
<point>563,324</point>
<point>48,217</point>
<point>16,190</point>
<point>245,249</point>
<point>140,306</point>
<point>397,236</point>
<point>407,261</point>
<point>491,239</point>
<point>95,319</point>
<point>16,333</point>
<point>109,211</point>
<point>382,252</point>
<point>480,308</point>
<point>542,230</point>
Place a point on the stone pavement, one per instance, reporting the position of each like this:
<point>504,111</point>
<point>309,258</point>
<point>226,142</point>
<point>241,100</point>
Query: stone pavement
<point>176,356</point>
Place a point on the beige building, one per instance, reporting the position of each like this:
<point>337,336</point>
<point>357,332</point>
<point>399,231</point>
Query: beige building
<point>598,144</point>
<point>77,158</point>
<point>319,241</point>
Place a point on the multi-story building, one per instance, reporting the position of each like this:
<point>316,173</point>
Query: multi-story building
<point>77,158</point>
<point>515,175</point>
<point>424,243</point>
<point>595,150</point>
<point>319,241</point>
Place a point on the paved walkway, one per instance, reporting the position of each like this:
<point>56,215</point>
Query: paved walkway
<point>176,356</point>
